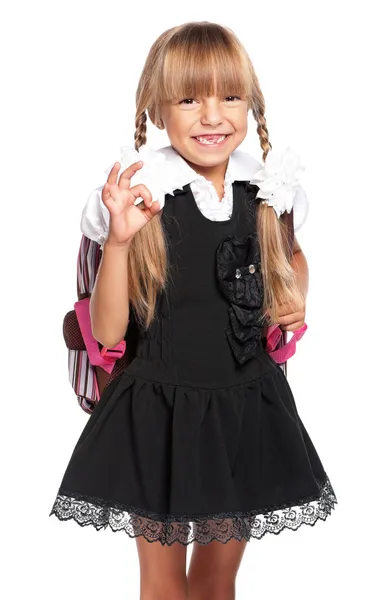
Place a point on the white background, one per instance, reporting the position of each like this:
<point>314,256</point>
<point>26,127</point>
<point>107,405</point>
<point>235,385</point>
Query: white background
<point>69,75</point>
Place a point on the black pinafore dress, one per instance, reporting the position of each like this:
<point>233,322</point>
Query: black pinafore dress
<point>199,439</point>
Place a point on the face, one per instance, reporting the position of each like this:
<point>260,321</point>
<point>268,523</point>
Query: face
<point>187,119</point>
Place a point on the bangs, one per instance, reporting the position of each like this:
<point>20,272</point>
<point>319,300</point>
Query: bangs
<point>200,64</point>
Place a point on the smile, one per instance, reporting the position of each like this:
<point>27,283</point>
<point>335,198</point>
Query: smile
<point>211,140</point>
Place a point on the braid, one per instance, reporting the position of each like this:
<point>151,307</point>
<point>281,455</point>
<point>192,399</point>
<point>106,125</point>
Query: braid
<point>286,220</point>
<point>262,130</point>
<point>278,276</point>
<point>140,135</point>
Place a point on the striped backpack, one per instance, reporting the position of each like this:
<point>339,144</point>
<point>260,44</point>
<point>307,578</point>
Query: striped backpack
<point>91,366</point>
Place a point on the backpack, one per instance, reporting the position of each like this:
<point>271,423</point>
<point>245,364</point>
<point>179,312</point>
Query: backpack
<point>92,367</point>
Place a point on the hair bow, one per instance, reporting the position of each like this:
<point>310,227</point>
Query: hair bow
<point>278,180</point>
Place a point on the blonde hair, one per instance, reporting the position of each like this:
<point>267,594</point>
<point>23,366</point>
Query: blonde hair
<point>191,60</point>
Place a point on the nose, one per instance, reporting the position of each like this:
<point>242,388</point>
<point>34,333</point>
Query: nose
<point>212,112</point>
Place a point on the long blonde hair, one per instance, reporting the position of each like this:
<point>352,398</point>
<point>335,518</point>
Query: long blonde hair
<point>183,62</point>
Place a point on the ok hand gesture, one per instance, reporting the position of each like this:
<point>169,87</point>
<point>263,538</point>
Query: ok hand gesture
<point>126,219</point>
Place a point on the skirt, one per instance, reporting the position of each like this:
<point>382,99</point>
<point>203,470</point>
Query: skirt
<point>177,464</point>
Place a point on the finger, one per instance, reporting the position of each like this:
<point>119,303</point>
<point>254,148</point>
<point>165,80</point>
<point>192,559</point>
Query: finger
<point>110,190</point>
<point>291,318</point>
<point>126,176</point>
<point>141,191</point>
<point>112,176</point>
<point>106,192</point>
<point>149,213</point>
<point>111,197</point>
<point>107,199</point>
<point>293,326</point>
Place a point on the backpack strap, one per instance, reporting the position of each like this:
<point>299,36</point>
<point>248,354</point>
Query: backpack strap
<point>91,367</point>
<point>88,260</point>
<point>82,374</point>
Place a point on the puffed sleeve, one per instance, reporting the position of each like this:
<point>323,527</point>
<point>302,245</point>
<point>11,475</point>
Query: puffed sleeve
<point>300,208</point>
<point>95,218</point>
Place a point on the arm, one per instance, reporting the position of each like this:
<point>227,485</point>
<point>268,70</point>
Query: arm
<point>300,266</point>
<point>109,302</point>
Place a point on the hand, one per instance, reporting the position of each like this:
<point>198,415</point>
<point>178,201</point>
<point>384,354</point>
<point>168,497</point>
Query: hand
<point>126,219</point>
<point>291,316</point>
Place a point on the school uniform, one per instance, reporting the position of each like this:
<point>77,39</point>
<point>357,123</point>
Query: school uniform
<point>199,438</point>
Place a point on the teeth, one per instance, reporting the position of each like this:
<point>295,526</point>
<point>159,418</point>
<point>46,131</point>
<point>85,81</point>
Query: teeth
<point>215,141</point>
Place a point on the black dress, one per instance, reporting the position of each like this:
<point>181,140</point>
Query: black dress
<point>199,439</point>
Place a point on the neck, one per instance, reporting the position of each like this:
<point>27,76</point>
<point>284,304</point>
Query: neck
<point>216,175</point>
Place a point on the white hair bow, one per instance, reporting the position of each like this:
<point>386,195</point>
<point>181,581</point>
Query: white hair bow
<point>278,181</point>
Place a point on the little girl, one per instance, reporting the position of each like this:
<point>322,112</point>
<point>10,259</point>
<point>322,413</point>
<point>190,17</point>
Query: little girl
<point>199,440</point>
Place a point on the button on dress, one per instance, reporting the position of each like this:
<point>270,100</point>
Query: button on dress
<point>200,438</point>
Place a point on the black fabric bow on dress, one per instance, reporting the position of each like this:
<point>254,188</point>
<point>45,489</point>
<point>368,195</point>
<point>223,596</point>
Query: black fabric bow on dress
<point>238,275</point>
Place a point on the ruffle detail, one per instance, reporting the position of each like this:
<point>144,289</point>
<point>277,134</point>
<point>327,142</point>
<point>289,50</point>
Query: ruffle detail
<point>208,201</point>
<point>238,273</point>
<point>185,529</point>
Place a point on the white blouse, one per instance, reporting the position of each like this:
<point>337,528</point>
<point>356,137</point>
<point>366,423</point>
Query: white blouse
<point>177,173</point>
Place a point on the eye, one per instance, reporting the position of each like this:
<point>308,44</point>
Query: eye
<point>187,101</point>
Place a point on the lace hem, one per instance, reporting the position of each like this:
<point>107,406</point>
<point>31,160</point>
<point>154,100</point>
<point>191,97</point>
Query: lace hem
<point>170,528</point>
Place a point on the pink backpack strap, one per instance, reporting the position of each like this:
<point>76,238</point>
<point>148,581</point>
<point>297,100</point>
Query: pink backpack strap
<point>106,357</point>
<point>282,354</point>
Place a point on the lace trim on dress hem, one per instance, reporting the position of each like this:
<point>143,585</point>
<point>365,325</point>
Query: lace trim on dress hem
<point>170,528</point>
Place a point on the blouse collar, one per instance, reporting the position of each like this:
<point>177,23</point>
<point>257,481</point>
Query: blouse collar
<point>241,167</point>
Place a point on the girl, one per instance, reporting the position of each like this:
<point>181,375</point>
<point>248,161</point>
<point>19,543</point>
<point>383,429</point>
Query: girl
<point>199,440</point>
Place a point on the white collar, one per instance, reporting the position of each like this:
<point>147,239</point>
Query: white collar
<point>241,167</point>
<point>278,181</point>
<point>165,170</point>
